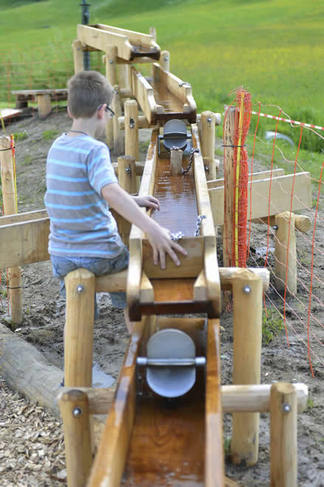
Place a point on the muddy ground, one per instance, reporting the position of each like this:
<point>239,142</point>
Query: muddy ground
<point>31,443</point>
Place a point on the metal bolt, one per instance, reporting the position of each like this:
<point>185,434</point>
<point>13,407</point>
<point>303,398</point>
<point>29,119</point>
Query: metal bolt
<point>209,120</point>
<point>286,407</point>
<point>80,289</point>
<point>275,227</point>
<point>111,61</point>
<point>128,170</point>
<point>131,123</point>
<point>77,412</point>
<point>246,289</point>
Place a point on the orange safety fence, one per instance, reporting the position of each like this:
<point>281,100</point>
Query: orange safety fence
<point>301,312</point>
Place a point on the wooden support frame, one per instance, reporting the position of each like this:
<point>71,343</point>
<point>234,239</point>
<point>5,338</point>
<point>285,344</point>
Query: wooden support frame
<point>129,44</point>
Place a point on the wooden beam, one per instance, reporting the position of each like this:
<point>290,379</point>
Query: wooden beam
<point>207,226</point>
<point>256,176</point>
<point>214,451</point>
<point>144,94</point>
<point>23,217</point>
<point>244,399</point>
<point>129,44</point>
<point>280,196</point>
<point>101,39</point>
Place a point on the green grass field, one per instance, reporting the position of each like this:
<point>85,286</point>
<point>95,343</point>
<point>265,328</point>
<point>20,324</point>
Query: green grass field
<point>273,48</point>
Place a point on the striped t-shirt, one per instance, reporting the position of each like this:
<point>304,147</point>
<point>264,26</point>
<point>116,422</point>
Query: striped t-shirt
<point>81,224</point>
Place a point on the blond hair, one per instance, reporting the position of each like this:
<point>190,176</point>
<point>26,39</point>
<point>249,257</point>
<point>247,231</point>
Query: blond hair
<point>87,90</point>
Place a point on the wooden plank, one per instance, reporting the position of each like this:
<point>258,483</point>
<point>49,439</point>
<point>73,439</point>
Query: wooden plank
<point>146,290</point>
<point>214,452</point>
<point>28,243</point>
<point>207,227</point>
<point>136,235</point>
<point>137,38</point>
<point>281,188</point>
<point>109,463</point>
<point>143,92</point>
<point>191,264</point>
<point>217,183</point>
<point>50,91</point>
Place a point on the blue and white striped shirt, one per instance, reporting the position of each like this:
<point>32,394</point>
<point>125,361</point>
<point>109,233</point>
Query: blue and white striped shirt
<point>80,221</point>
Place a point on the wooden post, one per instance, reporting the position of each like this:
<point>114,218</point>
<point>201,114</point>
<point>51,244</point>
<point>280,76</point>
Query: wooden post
<point>176,161</point>
<point>283,435</point>
<point>77,438</point>
<point>44,106</point>
<point>116,106</point>
<point>152,31</point>
<point>285,261</point>
<point>77,56</point>
<point>247,338</point>
<point>10,208</point>
<point>124,76</point>
<point>127,180</point>
<point>208,123</point>
<point>165,60</point>
<point>78,334</point>
<point>131,129</point>
<point>111,75</point>
<point>229,181</point>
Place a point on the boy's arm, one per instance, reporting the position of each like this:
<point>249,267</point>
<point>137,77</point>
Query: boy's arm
<point>159,237</point>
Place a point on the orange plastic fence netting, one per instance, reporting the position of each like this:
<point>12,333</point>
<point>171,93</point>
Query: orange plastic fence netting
<point>301,312</point>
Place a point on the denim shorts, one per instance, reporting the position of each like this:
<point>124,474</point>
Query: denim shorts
<point>99,266</point>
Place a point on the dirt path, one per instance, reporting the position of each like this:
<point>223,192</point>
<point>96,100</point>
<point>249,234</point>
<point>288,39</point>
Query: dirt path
<point>31,443</point>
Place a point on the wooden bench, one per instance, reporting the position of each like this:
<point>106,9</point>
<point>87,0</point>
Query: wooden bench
<point>43,98</point>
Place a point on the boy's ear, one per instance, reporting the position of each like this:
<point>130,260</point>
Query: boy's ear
<point>101,112</point>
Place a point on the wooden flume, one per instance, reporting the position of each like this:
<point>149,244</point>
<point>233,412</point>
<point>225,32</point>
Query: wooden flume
<point>146,440</point>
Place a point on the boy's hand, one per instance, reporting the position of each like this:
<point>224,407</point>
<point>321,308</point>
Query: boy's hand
<point>162,244</point>
<point>147,202</point>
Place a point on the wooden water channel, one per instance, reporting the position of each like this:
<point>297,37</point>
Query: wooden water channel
<point>161,442</point>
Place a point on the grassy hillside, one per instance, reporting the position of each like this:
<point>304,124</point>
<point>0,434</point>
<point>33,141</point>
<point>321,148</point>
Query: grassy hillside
<point>274,48</point>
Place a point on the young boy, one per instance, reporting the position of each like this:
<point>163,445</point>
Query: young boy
<point>82,186</point>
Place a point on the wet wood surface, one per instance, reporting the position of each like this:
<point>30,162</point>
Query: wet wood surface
<point>167,444</point>
<point>177,196</point>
